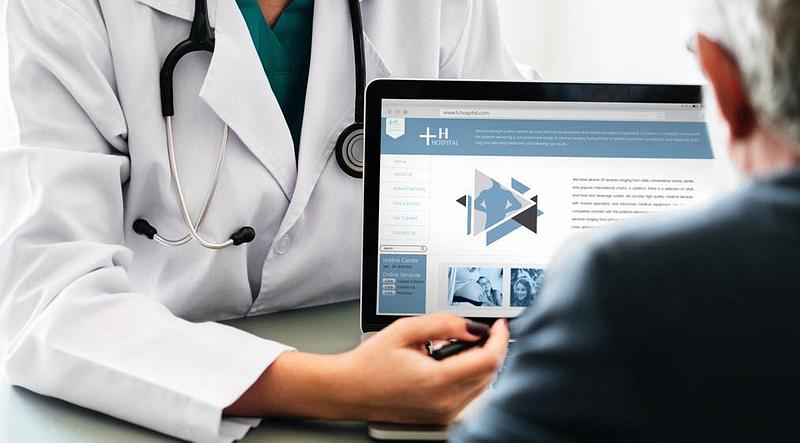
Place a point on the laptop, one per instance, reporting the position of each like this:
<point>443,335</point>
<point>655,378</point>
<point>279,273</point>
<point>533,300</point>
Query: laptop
<point>471,188</point>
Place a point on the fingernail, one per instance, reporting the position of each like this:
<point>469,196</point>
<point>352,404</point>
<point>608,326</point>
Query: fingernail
<point>476,328</point>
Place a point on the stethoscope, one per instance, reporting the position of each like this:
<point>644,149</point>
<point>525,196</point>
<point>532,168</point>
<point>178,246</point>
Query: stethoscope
<point>349,147</point>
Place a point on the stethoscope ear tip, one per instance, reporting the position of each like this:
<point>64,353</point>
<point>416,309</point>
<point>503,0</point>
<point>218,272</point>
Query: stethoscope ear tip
<point>244,235</point>
<point>143,227</point>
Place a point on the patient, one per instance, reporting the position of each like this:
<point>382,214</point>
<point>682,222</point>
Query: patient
<point>685,328</point>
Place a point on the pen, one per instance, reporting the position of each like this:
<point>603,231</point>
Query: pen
<point>457,347</point>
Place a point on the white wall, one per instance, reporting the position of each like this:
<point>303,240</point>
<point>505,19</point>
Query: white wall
<point>602,40</point>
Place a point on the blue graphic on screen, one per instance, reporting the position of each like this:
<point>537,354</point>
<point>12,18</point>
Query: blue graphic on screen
<point>495,202</point>
<point>498,211</point>
<point>546,138</point>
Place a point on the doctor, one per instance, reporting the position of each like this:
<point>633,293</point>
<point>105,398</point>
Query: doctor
<point>92,313</point>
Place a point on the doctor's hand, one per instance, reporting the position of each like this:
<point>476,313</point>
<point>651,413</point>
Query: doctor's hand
<point>387,378</point>
<point>400,383</point>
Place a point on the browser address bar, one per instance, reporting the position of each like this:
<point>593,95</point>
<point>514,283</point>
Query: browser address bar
<point>552,114</point>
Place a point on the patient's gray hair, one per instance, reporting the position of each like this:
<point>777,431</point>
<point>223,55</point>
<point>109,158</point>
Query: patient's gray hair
<point>764,37</point>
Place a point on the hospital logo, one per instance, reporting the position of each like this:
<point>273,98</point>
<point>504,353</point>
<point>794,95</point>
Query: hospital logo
<point>395,127</point>
<point>440,137</point>
<point>498,211</point>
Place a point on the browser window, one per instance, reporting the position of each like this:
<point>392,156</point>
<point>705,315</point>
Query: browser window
<point>478,196</point>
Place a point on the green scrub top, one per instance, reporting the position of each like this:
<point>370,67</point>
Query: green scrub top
<point>285,53</point>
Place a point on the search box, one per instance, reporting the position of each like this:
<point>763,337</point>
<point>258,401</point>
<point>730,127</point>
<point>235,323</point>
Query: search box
<point>404,249</point>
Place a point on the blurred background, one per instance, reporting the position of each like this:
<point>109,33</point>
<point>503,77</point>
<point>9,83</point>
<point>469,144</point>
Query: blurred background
<point>638,41</point>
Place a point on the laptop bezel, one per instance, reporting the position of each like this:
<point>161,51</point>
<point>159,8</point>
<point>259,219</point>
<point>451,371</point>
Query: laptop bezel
<point>407,89</point>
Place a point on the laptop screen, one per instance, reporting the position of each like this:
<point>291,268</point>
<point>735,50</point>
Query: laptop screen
<point>476,197</point>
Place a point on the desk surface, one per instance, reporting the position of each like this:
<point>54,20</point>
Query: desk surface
<point>28,417</point>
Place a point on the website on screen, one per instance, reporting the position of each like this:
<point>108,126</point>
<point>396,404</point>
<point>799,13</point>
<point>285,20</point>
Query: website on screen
<point>477,197</point>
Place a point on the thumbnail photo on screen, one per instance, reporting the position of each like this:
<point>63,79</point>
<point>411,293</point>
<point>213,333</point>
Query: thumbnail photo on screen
<point>475,287</point>
<point>525,286</point>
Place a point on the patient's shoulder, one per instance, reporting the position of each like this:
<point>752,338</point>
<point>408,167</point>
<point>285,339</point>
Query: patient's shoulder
<point>698,233</point>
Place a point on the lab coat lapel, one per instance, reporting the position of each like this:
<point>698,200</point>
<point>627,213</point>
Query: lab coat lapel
<point>330,97</point>
<point>238,91</point>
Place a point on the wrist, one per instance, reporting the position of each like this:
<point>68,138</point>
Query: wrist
<point>296,384</point>
<point>341,383</point>
<point>312,386</point>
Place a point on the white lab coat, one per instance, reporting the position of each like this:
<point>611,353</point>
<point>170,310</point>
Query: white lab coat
<point>96,315</point>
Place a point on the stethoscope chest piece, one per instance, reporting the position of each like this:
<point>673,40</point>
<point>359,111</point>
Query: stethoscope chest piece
<point>350,150</point>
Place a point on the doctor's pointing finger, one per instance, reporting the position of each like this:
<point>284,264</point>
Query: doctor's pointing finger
<point>183,162</point>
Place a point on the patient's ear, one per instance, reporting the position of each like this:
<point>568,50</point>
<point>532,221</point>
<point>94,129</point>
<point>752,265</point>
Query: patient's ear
<point>723,72</point>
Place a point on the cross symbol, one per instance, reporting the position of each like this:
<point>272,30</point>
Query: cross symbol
<point>428,136</point>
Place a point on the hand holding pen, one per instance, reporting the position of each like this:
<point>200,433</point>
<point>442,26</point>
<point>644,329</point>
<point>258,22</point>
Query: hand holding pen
<point>456,347</point>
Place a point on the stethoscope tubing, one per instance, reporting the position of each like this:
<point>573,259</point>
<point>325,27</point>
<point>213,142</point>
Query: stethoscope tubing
<point>201,38</point>
<point>359,57</point>
<point>173,169</point>
<point>206,203</point>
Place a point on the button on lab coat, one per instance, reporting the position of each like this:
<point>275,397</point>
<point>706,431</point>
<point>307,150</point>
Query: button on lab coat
<point>96,315</point>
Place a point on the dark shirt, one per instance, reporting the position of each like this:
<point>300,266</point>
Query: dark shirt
<point>679,328</point>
